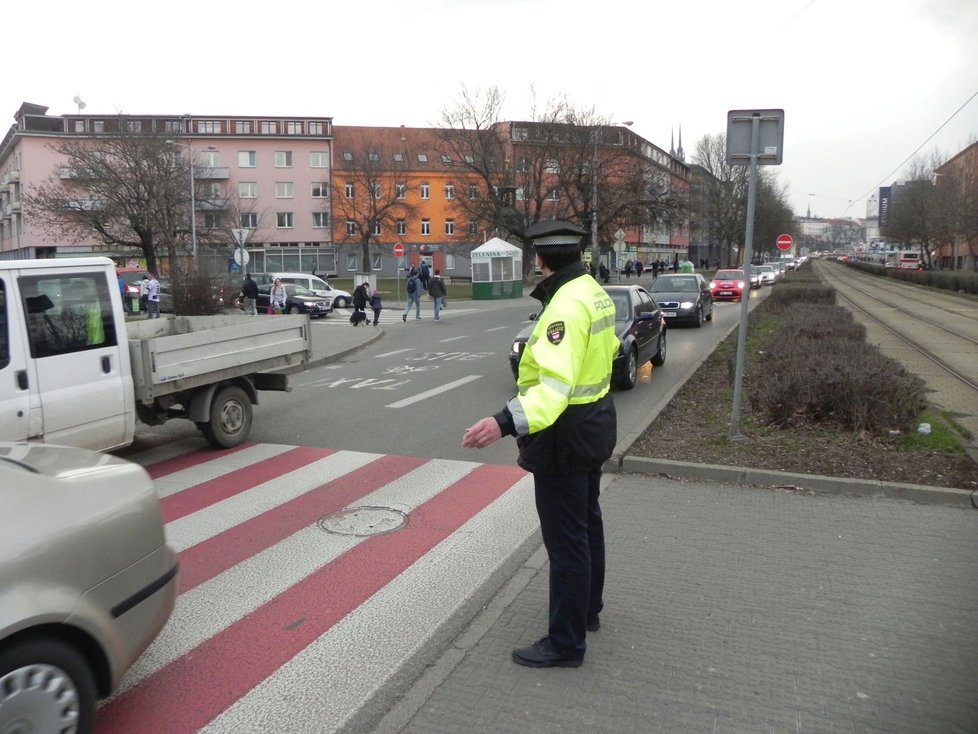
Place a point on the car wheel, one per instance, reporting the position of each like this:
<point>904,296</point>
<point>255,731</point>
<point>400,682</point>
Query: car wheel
<point>629,375</point>
<point>659,358</point>
<point>709,316</point>
<point>293,309</point>
<point>340,302</point>
<point>230,418</point>
<point>45,685</point>
<point>699,316</point>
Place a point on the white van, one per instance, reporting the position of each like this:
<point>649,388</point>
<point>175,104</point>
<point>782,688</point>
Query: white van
<point>339,299</point>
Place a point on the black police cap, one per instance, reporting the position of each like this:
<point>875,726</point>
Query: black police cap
<point>555,232</point>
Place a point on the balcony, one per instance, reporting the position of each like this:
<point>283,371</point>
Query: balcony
<point>212,173</point>
<point>11,176</point>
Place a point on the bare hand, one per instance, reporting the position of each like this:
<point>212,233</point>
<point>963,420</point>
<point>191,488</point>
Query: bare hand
<point>481,434</point>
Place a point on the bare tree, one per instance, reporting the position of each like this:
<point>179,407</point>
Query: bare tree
<point>131,190</point>
<point>916,217</point>
<point>365,192</point>
<point>724,195</point>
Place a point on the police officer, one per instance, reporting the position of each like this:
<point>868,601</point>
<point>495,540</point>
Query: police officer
<point>565,426</point>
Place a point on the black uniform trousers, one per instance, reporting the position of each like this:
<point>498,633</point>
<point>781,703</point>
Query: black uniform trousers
<point>573,534</point>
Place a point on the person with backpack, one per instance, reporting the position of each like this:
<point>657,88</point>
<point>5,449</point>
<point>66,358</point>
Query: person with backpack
<point>413,297</point>
<point>437,291</point>
<point>425,275</point>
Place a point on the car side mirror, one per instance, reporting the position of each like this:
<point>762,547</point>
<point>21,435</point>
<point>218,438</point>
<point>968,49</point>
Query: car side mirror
<point>533,316</point>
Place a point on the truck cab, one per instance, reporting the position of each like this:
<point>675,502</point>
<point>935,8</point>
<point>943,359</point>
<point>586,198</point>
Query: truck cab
<point>63,337</point>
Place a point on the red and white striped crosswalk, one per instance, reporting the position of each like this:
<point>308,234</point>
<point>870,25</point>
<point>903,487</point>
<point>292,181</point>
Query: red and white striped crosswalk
<point>309,577</point>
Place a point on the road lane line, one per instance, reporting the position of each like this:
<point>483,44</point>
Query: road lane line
<point>391,354</point>
<point>430,393</point>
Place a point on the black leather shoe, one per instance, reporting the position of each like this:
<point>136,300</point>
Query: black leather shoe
<point>542,654</point>
<point>593,625</point>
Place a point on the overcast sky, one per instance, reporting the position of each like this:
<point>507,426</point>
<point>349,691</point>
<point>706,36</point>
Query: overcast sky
<point>863,83</point>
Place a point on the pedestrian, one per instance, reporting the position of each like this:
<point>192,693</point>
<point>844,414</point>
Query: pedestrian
<point>276,297</point>
<point>360,298</point>
<point>153,296</point>
<point>249,294</point>
<point>376,305</point>
<point>639,268</point>
<point>437,291</point>
<point>413,289</point>
<point>566,428</point>
<point>628,268</point>
<point>425,275</point>
<point>123,291</point>
<point>143,294</point>
<point>605,273</point>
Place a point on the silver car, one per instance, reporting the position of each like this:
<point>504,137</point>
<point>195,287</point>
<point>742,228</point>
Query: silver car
<point>87,581</point>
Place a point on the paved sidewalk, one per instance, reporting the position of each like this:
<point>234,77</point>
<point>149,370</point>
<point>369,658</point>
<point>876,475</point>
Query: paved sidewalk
<point>735,609</point>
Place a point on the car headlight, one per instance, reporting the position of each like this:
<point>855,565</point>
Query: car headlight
<point>686,304</point>
<point>517,348</point>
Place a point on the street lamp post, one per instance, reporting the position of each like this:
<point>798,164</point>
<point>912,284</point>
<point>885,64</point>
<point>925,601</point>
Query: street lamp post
<point>193,205</point>
<point>595,250</point>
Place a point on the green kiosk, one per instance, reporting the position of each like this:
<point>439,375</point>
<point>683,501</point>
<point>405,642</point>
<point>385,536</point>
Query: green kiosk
<point>497,270</point>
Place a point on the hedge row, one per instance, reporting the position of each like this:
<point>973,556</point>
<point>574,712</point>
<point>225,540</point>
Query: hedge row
<point>817,368</point>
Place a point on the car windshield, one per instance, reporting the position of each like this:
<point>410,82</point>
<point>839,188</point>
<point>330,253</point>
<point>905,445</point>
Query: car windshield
<point>666,283</point>
<point>729,274</point>
<point>766,269</point>
<point>298,290</point>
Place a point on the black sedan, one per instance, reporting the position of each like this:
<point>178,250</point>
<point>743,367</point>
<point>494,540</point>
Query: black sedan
<point>683,297</point>
<point>640,327</point>
<point>297,300</point>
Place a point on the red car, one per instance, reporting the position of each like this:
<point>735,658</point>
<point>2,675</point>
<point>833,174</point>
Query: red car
<point>729,285</point>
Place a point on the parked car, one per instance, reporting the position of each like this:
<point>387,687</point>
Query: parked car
<point>319,286</point>
<point>640,328</point>
<point>297,300</point>
<point>729,285</point>
<point>768,274</point>
<point>87,581</point>
<point>684,298</point>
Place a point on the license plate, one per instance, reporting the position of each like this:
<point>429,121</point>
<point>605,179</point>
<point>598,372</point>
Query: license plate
<point>726,293</point>
<point>669,314</point>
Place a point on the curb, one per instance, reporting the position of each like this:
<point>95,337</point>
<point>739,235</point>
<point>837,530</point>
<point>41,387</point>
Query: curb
<point>964,498</point>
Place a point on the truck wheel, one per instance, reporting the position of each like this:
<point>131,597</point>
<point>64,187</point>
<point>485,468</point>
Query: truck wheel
<point>230,420</point>
<point>48,686</point>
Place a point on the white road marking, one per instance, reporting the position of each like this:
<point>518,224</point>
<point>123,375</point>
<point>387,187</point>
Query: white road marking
<point>437,391</point>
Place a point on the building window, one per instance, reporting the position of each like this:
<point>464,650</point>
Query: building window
<point>552,166</point>
<point>293,128</point>
<point>208,158</point>
<point>348,157</point>
<point>348,190</point>
<point>284,190</point>
<point>283,220</point>
<point>247,159</point>
<point>446,159</point>
<point>134,126</point>
<point>283,159</point>
<point>320,220</point>
<point>269,127</point>
<point>401,190</point>
<point>98,126</point>
<point>449,227</point>
<point>553,194</point>
<point>247,189</point>
<point>79,126</point>
<point>449,191</point>
<point>319,159</point>
<point>208,126</point>
<point>169,126</point>
<point>399,158</point>
<point>377,190</point>
<point>473,228</point>
<point>351,227</point>
<point>373,156</point>
<point>520,194</point>
<point>473,191</point>
<point>212,220</point>
<point>352,262</point>
<point>469,159</point>
<point>242,127</point>
<point>377,261</point>
<point>425,191</point>
<point>422,158</point>
<point>375,229</point>
<point>522,166</point>
<point>521,133</point>
<point>315,128</point>
<point>426,227</point>
<point>320,190</point>
<point>401,227</point>
<point>249,220</point>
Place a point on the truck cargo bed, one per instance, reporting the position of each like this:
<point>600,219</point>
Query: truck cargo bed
<point>177,353</point>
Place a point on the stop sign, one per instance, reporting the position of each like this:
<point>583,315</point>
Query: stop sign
<point>784,242</point>
<point>398,249</point>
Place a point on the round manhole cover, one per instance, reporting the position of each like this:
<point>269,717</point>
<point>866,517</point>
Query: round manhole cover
<point>364,521</point>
